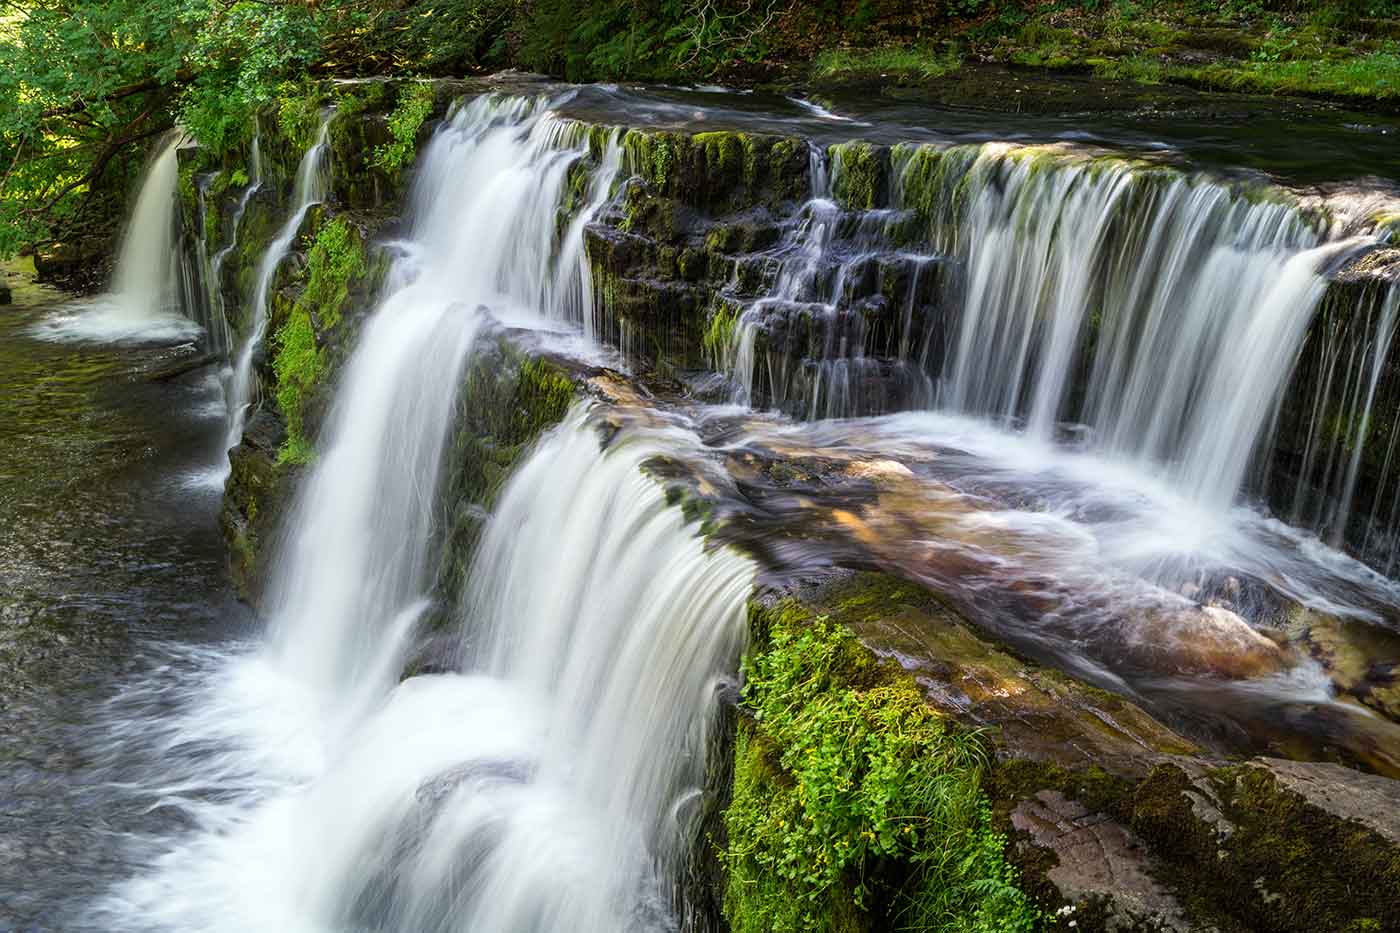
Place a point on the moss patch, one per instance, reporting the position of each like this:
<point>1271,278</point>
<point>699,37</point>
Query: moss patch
<point>859,171</point>
<point>336,260</point>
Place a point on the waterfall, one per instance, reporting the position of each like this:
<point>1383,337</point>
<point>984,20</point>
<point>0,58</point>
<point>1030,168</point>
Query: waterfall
<point>814,300</point>
<point>144,300</point>
<point>551,787</point>
<point>357,553</point>
<point>1345,374</point>
<point>217,303</point>
<point>551,783</point>
<point>1173,304</point>
<point>144,283</point>
<point>310,188</point>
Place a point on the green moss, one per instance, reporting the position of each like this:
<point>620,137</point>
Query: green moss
<point>725,155</point>
<point>856,806</point>
<point>719,333</point>
<point>415,105</point>
<point>336,260</point>
<point>352,100</point>
<point>507,400</point>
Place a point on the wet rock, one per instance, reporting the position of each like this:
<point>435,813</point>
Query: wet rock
<point>1362,659</point>
<point>1210,640</point>
<point>6,296</point>
<point>256,495</point>
<point>1118,821</point>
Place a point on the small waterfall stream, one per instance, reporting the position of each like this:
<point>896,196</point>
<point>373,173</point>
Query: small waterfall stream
<point>218,309</point>
<point>308,191</point>
<point>144,282</point>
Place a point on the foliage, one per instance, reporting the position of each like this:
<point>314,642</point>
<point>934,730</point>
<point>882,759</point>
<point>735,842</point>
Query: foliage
<point>298,114</point>
<point>335,261</point>
<point>414,106</point>
<point>87,86</point>
<point>848,786</point>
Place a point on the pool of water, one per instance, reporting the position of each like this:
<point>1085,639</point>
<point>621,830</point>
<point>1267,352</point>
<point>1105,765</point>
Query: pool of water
<point>110,560</point>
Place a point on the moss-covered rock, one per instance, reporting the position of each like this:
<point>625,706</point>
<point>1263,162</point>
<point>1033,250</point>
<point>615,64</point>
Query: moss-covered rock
<point>1118,823</point>
<point>856,805</point>
<point>257,495</point>
<point>860,175</point>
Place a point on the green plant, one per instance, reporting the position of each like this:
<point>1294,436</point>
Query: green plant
<point>298,113</point>
<point>414,105</point>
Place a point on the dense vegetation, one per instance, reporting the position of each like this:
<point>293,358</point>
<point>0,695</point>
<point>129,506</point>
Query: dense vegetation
<point>855,804</point>
<point>88,85</point>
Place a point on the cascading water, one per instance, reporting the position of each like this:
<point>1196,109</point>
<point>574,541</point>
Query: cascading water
<point>369,499</point>
<point>353,576</point>
<point>144,282</point>
<point>218,307</point>
<point>310,189</point>
<point>1159,310</point>
<point>550,780</point>
<point>810,301</point>
<point>1346,375</point>
<point>1179,300</point>
<point>552,787</point>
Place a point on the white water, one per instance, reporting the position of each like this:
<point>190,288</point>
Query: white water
<point>1158,313</point>
<point>597,629</point>
<point>550,783</point>
<point>823,249</point>
<point>312,180</point>
<point>143,304</point>
<point>1200,297</point>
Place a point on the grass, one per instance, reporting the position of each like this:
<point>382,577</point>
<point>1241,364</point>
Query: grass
<point>888,62</point>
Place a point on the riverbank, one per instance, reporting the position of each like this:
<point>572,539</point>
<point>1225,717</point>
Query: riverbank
<point>1234,47</point>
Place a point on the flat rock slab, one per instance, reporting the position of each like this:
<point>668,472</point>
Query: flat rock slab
<point>1099,859</point>
<point>1369,799</point>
